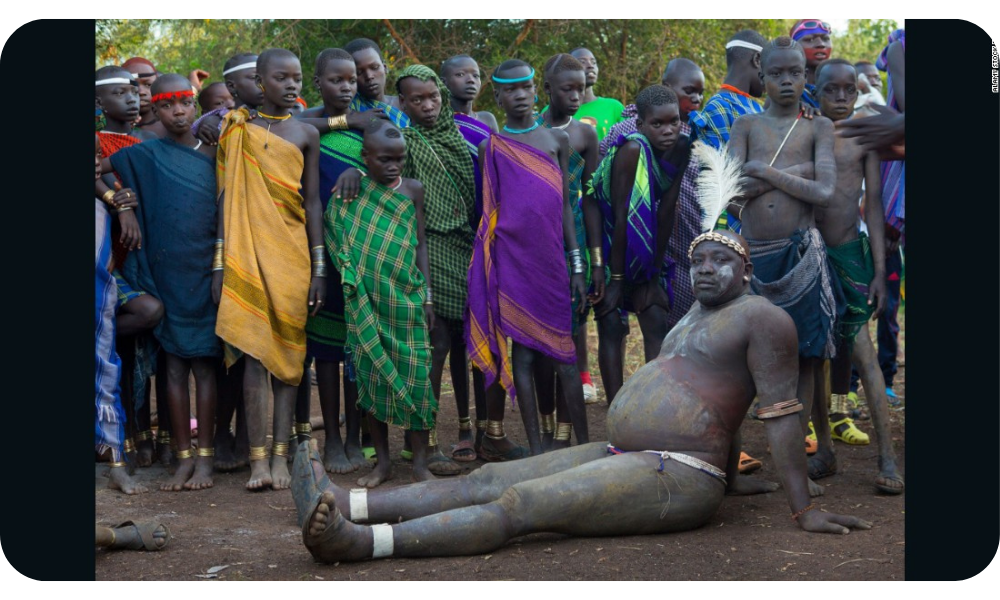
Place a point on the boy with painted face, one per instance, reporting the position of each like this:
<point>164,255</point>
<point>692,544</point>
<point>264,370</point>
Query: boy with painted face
<point>518,284</point>
<point>388,305</point>
<point>175,177</point>
<point>565,84</point>
<point>637,188</point>
<point>270,267</point>
<point>789,256</point>
<point>860,267</point>
<point>814,37</point>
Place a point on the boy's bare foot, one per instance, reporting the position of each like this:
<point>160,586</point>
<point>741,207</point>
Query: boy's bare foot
<point>355,455</point>
<point>202,478</point>
<point>185,468</point>
<point>119,479</point>
<point>260,475</point>
<point>281,479</point>
<point>381,473</point>
<point>335,460</point>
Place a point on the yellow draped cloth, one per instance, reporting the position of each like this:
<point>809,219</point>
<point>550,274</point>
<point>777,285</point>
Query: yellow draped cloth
<point>265,285</point>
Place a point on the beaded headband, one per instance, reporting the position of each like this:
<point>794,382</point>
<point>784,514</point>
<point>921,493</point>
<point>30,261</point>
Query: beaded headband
<point>742,44</point>
<point>116,80</point>
<point>249,65</point>
<point>171,95</point>
<point>714,236</point>
<point>527,77</point>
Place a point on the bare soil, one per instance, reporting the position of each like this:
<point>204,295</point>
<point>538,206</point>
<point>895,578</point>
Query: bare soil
<point>255,536</point>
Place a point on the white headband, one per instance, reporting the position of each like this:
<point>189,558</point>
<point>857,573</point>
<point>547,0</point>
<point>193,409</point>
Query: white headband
<point>742,44</point>
<point>249,65</point>
<point>113,80</point>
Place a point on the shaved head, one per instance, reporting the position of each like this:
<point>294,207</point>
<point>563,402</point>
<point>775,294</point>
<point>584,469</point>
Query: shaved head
<point>679,68</point>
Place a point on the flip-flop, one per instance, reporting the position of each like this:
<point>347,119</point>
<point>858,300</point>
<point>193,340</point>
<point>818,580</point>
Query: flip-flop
<point>145,540</point>
<point>368,452</point>
<point>463,451</point>
<point>406,454</point>
<point>489,454</point>
<point>748,464</point>
<point>817,469</point>
<point>442,466</point>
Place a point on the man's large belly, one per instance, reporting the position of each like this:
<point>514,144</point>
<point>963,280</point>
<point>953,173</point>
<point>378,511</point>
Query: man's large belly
<point>665,406</point>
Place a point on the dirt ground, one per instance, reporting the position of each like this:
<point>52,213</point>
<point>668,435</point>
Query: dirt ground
<point>254,535</point>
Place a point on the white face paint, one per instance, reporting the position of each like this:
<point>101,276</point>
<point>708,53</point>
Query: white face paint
<point>725,276</point>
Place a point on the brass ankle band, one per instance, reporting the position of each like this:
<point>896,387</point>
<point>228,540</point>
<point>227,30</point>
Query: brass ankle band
<point>279,449</point>
<point>494,430</point>
<point>548,423</point>
<point>206,451</point>
<point>115,465</point>
<point>465,424</point>
<point>481,423</point>
<point>562,431</point>
<point>839,404</point>
<point>303,428</point>
<point>163,437</point>
<point>144,436</point>
<point>258,452</point>
<point>432,438</point>
<point>129,446</point>
<point>185,453</point>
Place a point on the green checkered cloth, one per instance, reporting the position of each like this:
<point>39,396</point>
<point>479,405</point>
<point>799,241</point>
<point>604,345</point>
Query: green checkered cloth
<point>439,158</point>
<point>374,240</point>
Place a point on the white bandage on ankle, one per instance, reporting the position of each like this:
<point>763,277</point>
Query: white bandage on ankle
<point>359,504</point>
<point>382,541</point>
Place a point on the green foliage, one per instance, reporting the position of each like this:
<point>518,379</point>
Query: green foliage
<point>631,53</point>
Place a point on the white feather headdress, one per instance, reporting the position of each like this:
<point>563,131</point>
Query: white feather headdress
<point>718,181</point>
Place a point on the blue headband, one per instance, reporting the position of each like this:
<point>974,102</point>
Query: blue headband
<point>527,77</point>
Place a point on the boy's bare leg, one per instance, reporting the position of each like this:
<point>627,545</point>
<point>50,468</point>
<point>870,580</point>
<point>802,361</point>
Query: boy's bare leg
<point>383,467</point>
<point>804,390</point>
<point>620,495</point>
<point>653,324</point>
<point>544,373</point>
<point>255,396</point>
<point>328,378</point>
<point>179,401</point>
<point>571,404</point>
<point>421,450</point>
<point>144,437</point>
<point>119,479</point>
<point>352,445</point>
<point>303,406</point>
<point>824,462</point>
<point>865,359</point>
<point>610,338</point>
<point>523,359</point>
<point>482,411</point>
<point>441,341</point>
<point>459,368</point>
<point>229,384</point>
<point>205,394</point>
<point>164,453</point>
<point>284,408</point>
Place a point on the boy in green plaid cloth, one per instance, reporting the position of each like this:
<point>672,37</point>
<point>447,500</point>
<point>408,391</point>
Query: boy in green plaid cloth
<point>378,242</point>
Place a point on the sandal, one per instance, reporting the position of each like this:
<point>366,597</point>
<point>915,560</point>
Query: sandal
<point>463,451</point>
<point>846,431</point>
<point>442,466</point>
<point>748,464</point>
<point>817,469</point>
<point>812,444</point>
<point>144,538</point>
<point>490,454</point>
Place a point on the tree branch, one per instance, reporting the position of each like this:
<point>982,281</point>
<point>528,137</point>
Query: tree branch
<point>528,24</point>
<point>399,40</point>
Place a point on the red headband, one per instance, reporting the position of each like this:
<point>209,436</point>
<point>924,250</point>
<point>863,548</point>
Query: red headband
<point>172,95</point>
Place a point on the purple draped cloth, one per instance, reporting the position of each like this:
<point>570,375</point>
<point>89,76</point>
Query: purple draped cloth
<point>475,132</point>
<point>518,284</point>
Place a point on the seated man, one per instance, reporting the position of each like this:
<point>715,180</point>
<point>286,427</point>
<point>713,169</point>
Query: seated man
<point>683,404</point>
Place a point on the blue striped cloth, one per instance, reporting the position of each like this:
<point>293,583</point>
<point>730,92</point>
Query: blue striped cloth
<point>398,117</point>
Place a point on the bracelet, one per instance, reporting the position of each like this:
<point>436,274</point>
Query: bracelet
<point>318,261</point>
<point>795,517</point>
<point>596,257</point>
<point>337,123</point>
<point>124,209</point>
<point>576,259</point>
<point>218,260</point>
<point>108,196</point>
<point>617,276</point>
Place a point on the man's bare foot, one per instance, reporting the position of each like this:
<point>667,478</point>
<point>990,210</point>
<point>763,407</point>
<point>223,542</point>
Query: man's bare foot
<point>335,460</point>
<point>202,478</point>
<point>260,475</point>
<point>815,489</point>
<point>354,454</point>
<point>185,468</point>
<point>119,479</point>
<point>281,479</point>
<point>748,486</point>
<point>889,481</point>
<point>331,538</point>
<point>144,453</point>
<point>381,473</point>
